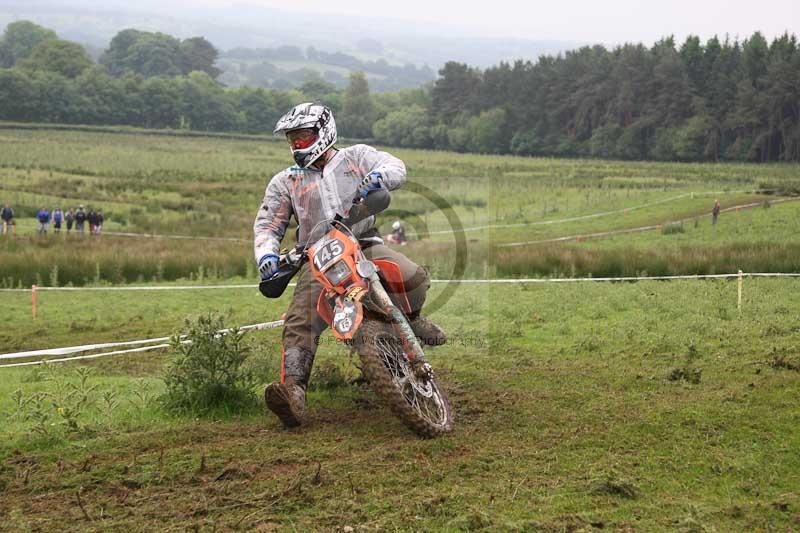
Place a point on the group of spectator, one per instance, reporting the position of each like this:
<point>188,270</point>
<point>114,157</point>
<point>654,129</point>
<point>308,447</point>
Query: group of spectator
<point>74,217</point>
<point>77,217</point>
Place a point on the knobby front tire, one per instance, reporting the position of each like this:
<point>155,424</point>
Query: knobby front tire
<point>422,406</point>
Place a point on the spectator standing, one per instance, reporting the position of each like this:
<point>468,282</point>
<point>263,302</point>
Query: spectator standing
<point>70,218</point>
<point>92,218</point>
<point>8,219</point>
<point>43,216</point>
<point>99,226</point>
<point>80,218</point>
<point>715,212</point>
<point>58,216</point>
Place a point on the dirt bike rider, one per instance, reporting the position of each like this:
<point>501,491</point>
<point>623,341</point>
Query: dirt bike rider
<point>324,182</point>
<point>398,234</point>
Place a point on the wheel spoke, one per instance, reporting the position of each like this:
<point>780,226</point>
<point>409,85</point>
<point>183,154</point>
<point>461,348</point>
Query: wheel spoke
<point>427,404</point>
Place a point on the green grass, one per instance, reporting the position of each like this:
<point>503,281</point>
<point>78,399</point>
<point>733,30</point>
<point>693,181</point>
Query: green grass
<point>647,406</point>
<point>568,413</point>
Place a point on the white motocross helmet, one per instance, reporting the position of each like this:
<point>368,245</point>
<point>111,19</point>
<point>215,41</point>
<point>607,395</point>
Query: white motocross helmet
<point>309,115</point>
<point>396,225</point>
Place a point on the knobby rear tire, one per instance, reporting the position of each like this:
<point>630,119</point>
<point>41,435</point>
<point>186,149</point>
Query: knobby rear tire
<point>376,336</point>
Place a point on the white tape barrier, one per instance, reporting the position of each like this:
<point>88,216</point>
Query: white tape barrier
<point>638,229</point>
<point>279,323</point>
<point>90,347</point>
<point>136,288</point>
<point>84,357</point>
<point>495,280</point>
<point>78,349</point>
<point>603,213</point>
<point>624,278</point>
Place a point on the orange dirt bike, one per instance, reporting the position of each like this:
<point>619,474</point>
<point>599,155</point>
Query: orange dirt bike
<point>355,304</point>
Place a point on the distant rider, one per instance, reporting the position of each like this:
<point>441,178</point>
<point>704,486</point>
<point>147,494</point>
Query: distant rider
<point>398,234</point>
<point>324,182</point>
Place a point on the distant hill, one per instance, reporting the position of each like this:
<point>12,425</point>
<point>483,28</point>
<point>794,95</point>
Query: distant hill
<point>393,54</point>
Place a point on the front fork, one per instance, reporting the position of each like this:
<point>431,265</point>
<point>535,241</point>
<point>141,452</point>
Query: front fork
<point>411,346</point>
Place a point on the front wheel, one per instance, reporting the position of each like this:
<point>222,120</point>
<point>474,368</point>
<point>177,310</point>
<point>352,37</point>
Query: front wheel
<point>422,405</point>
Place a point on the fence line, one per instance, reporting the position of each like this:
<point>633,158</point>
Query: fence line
<point>279,323</point>
<point>137,288</point>
<point>466,281</point>
<point>628,278</point>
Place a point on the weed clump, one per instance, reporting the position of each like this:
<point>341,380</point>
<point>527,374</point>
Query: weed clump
<point>688,372</point>
<point>613,485</point>
<point>209,370</point>
<point>691,375</point>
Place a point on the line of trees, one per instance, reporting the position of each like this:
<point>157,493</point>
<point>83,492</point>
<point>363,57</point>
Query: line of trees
<point>718,100</point>
<point>153,80</point>
<point>697,102</point>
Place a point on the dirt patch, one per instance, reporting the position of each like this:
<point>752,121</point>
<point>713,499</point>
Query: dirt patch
<point>233,473</point>
<point>613,485</point>
<point>781,362</point>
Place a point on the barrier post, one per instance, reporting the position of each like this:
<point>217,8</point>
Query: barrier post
<point>739,306</point>
<point>34,298</point>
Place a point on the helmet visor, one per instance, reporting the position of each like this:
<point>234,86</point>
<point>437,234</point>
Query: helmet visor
<point>302,138</point>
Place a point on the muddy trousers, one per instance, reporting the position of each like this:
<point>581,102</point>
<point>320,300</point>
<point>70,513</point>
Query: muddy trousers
<point>303,326</point>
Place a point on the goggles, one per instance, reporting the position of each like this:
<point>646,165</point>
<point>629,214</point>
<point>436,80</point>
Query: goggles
<point>302,138</point>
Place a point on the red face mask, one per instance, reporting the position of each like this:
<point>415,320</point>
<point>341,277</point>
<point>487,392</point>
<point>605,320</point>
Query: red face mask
<point>301,139</point>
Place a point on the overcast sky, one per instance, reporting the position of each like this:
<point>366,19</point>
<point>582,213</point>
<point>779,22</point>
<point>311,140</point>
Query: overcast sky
<point>605,21</point>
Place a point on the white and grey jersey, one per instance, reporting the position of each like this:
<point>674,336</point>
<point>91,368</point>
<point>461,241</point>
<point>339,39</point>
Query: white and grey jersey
<point>313,196</point>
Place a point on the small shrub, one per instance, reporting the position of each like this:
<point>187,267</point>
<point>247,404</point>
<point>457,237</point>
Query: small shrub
<point>66,407</point>
<point>209,371</point>
<point>690,375</point>
<point>327,376</point>
<point>672,228</point>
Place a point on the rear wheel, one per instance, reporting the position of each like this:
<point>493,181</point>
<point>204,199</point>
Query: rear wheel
<point>421,404</point>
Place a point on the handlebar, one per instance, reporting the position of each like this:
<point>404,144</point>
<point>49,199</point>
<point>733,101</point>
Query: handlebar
<point>289,263</point>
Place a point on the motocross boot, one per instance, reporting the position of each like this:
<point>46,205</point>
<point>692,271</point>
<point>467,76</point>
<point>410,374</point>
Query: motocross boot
<point>428,332</point>
<point>287,400</point>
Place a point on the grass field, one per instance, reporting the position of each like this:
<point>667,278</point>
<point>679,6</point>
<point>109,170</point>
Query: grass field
<point>632,406</point>
<point>647,406</point>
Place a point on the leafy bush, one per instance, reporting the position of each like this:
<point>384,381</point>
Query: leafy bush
<point>209,369</point>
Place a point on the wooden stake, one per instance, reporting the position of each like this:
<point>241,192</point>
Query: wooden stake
<point>34,298</point>
<point>740,291</point>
